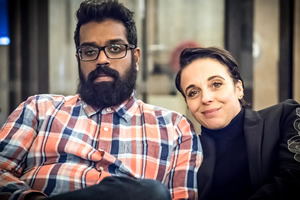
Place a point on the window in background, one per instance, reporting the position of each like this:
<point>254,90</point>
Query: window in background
<point>4,38</point>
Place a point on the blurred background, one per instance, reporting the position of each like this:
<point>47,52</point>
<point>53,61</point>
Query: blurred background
<point>37,51</point>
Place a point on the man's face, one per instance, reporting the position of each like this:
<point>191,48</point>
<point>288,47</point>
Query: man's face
<point>106,82</point>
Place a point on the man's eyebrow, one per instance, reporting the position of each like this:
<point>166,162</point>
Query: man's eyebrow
<point>116,41</point>
<point>88,44</point>
<point>107,43</point>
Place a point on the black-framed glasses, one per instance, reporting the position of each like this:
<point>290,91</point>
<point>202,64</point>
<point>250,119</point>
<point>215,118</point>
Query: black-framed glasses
<point>112,51</point>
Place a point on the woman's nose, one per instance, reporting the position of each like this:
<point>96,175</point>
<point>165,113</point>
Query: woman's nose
<point>207,96</point>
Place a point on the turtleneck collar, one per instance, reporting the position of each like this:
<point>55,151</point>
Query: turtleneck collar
<point>230,131</point>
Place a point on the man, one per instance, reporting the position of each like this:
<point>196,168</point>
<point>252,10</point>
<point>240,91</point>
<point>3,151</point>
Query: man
<point>102,143</point>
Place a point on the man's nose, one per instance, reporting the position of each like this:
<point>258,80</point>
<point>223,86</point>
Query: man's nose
<point>102,58</point>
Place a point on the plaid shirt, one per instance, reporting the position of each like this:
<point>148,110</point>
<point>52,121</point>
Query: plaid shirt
<point>54,144</point>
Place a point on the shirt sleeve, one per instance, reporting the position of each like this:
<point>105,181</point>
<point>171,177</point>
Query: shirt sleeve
<point>16,137</point>
<point>186,160</point>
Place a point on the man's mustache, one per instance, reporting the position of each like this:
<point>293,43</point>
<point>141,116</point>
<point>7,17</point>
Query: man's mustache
<point>105,70</point>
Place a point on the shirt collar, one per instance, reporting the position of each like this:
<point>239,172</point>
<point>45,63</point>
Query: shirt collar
<point>125,110</point>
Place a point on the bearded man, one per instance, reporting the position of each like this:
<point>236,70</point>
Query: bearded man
<point>102,143</point>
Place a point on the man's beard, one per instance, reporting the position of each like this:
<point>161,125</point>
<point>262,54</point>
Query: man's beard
<point>107,93</point>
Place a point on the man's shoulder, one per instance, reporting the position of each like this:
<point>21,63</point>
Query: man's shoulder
<point>163,116</point>
<point>158,110</point>
<point>53,98</point>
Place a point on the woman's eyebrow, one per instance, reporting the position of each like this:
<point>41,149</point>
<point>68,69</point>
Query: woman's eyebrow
<point>188,87</point>
<point>215,76</point>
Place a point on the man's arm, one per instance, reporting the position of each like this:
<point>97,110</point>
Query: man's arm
<point>186,160</point>
<point>16,137</point>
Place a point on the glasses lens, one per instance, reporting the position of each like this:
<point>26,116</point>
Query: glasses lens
<point>88,53</point>
<point>116,50</point>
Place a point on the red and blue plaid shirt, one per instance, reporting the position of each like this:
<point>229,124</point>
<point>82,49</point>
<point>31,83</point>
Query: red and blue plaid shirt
<point>54,144</point>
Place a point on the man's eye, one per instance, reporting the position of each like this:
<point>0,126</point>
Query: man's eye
<point>116,48</point>
<point>89,51</point>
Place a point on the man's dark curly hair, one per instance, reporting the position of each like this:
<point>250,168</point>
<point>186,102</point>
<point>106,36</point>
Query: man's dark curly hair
<point>98,11</point>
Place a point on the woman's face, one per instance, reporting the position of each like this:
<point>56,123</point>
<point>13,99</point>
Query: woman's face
<point>211,95</point>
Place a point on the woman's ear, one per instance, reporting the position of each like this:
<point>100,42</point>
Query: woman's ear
<point>239,89</point>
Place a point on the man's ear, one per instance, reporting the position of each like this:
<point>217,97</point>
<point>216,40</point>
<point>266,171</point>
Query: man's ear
<point>77,57</point>
<point>137,55</point>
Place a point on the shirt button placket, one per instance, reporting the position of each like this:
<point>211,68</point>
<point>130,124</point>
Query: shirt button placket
<point>106,128</point>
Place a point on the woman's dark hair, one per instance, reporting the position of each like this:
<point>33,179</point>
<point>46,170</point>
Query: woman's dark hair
<point>98,11</point>
<point>189,55</point>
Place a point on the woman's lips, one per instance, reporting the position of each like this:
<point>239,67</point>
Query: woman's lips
<point>210,112</point>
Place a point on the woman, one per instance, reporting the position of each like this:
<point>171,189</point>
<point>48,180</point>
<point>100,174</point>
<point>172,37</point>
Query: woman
<point>247,154</point>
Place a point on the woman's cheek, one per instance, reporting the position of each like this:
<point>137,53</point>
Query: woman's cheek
<point>193,106</point>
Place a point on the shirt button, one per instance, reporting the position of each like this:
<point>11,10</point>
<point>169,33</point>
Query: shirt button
<point>105,129</point>
<point>108,109</point>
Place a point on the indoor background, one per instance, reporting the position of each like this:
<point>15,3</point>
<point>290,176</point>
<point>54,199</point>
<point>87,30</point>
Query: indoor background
<point>38,53</point>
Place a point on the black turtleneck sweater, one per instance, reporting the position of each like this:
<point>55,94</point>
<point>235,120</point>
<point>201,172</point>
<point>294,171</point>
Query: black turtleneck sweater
<point>231,179</point>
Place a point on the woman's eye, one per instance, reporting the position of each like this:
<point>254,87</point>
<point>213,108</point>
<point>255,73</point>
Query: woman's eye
<point>192,93</point>
<point>217,84</point>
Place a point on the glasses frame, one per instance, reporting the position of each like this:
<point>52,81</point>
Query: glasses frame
<point>128,46</point>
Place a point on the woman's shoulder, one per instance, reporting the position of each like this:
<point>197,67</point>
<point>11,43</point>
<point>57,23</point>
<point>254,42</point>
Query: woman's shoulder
<point>291,102</point>
<point>286,105</point>
<point>288,109</point>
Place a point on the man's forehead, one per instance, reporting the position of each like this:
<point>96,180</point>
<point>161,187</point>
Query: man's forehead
<point>106,32</point>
